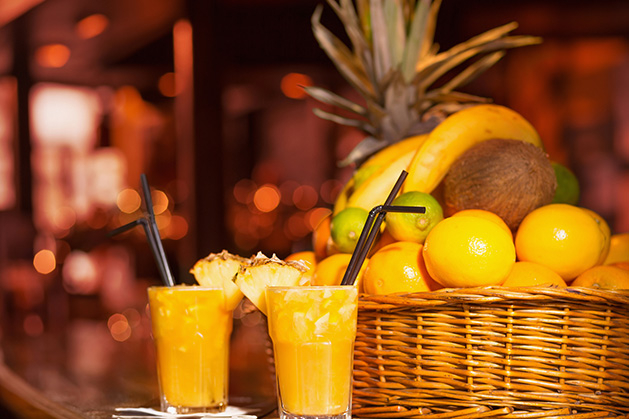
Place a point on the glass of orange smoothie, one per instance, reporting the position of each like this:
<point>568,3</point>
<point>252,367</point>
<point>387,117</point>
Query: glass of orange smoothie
<point>313,331</point>
<point>191,331</point>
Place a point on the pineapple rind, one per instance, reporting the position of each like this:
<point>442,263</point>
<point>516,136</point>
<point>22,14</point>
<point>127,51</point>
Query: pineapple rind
<point>262,271</point>
<point>219,270</point>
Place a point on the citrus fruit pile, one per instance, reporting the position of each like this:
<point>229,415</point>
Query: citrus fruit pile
<point>498,212</point>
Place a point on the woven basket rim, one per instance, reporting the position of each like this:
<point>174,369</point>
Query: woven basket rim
<point>493,294</point>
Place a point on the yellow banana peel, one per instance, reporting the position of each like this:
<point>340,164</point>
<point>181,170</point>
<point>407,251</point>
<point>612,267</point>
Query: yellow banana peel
<point>393,151</point>
<point>459,132</point>
<point>375,164</point>
<point>375,190</point>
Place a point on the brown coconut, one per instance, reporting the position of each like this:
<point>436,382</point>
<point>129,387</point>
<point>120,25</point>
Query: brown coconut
<point>507,177</point>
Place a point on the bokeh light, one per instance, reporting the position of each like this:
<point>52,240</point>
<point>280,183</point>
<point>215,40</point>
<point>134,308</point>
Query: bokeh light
<point>128,201</point>
<point>178,228</point>
<point>167,84</point>
<point>80,273</point>
<point>330,189</point>
<point>244,190</point>
<point>305,197</point>
<point>160,201</point>
<point>119,327</point>
<point>44,261</point>
<point>91,26</point>
<point>315,216</point>
<point>293,84</point>
<point>52,56</point>
<point>267,198</point>
<point>64,217</point>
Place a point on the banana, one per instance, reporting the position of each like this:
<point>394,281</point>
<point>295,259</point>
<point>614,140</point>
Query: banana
<point>391,152</point>
<point>374,165</point>
<point>341,200</point>
<point>375,190</point>
<point>459,132</point>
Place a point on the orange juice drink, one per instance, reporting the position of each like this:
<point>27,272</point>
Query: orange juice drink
<point>191,331</point>
<point>313,331</point>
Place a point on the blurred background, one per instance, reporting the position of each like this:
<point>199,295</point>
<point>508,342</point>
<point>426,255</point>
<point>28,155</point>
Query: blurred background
<point>204,98</point>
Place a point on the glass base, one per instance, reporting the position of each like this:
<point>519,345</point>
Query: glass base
<point>180,410</point>
<point>286,415</point>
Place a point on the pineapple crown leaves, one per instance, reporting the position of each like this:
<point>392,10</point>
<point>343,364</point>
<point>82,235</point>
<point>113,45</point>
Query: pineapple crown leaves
<point>394,64</point>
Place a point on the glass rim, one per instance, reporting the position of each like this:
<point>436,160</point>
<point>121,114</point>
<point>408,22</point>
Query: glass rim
<point>310,287</point>
<point>187,287</point>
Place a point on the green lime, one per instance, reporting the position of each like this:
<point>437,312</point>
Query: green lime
<point>567,191</point>
<point>410,226</point>
<point>346,228</point>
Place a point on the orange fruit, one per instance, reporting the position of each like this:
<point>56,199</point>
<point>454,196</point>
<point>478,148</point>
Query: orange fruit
<point>488,215</point>
<point>562,237</point>
<point>321,238</point>
<point>530,274</point>
<point>622,265</point>
<point>330,271</point>
<point>385,238</point>
<point>604,277</point>
<point>618,249</point>
<point>308,258</point>
<point>397,267</point>
<point>605,230</point>
<point>468,251</point>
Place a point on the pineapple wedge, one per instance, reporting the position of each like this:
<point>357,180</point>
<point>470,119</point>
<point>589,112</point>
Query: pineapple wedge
<point>219,270</point>
<point>262,271</point>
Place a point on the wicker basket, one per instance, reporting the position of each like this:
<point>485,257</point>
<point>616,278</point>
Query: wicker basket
<point>493,352</point>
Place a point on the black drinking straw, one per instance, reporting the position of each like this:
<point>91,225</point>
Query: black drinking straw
<point>371,228</point>
<point>160,255</point>
<point>152,235</point>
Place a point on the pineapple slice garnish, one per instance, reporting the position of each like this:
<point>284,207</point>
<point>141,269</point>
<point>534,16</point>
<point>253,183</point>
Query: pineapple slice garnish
<point>219,270</point>
<point>262,271</point>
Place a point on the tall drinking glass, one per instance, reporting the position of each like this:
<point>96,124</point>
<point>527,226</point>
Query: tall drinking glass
<point>191,331</point>
<point>313,331</point>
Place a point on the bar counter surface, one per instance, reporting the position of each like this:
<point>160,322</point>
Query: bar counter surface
<point>56,376</point>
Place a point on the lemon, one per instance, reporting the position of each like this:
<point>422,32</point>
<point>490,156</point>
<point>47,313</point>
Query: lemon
<point>562,237</point>
<point>568,190</point>
<point>346,227</point>
<point>467,251</point>
<point>414,226</point>
<point>487,215</point>
<point>605,231</point>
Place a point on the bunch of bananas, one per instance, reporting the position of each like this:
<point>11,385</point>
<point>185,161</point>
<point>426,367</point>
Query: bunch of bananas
<point>428,157</point>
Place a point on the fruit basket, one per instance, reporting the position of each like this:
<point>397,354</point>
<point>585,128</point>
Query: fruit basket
<point>537,352</point>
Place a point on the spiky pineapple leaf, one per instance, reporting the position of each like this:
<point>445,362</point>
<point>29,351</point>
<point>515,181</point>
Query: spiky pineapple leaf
<point>362,6</point>
<point>396,35</point>
<point>415,39</point>
<point>379,31</point>
<point>473,71</point>
<point>341,56</point>
<point>364,149</point>
<point>350,122</point>
<point>428,46</point>
<point>381,54</point>
<point>347,15</point>
<point>326,96</point>
<point>441,97</point>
